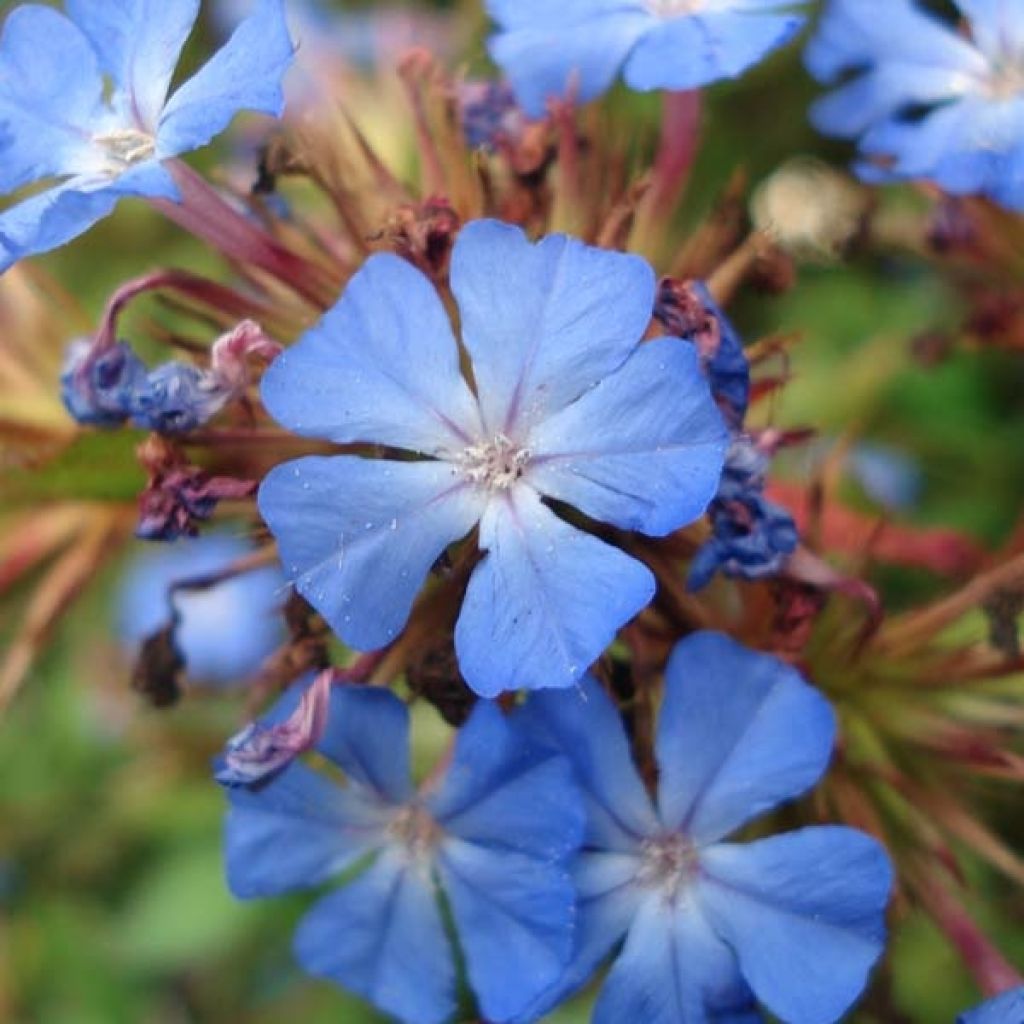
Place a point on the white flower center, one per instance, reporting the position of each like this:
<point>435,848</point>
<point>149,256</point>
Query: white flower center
<point>416,830</point>
<point>668,863</point>
<point>496,464</point>
<point>1006,79</point>
<point>673,8</point>
<point>125,147</point>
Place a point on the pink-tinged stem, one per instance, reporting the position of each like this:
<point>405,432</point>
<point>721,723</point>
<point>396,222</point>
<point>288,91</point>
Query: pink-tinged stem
<point>677,150</point>
<point>204,213</point>
<point>203,290</point>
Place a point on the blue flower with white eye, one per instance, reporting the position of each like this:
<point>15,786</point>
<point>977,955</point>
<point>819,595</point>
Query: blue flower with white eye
<point>713,928</point>
<point>223,632</point>
<point>1007,1008</point>
<point>577,47</point>
<point>923,99</point>
<point>494,834</point>
<point>60,121</point>
<point>567,406</point>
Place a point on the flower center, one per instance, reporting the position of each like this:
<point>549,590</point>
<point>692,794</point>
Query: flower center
<point>496,464</point>
<point>125,147</point>
<point>668,863</point>
<point>673,8</point>
<point>1006,79</point>
<point>416,830</point>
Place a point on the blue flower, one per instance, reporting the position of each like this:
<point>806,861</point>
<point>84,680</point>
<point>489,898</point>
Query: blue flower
<point>712,928</point>
<point>567,406</point>
<point>494,834</point>
<point>1007,1008</point>
<point>551,49</point>
<point>59,121</point>
<point>223,632</point>
<point>751,536</point>
<point>926,101</point>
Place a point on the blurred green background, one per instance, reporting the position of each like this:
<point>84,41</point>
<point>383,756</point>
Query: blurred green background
<point>113,906</point>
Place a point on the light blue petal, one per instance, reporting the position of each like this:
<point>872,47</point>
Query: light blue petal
<point>358,536</point>
<point>691,51</point>
<point>567,58</point>
<point>246,73</point>
<point>52,218</point>
<point>643,449</point>
<point>673,969</point>
<point>739,732</point>
<point>367,736</point>
<point>138,43</point>
<point>586,726</point>
<point>607,903</point>
<point>543,323</point>
<point>514,916</point>
<point>381,366</point>
<point>1007,1008</point>
<point>545,601</point>
<point>804,913</point>
<point>296,831</point>
<point>505,791</point>
<point>382,937</point>
<point>50,97</point>
<point>995,25</point>
<point>224,632</point>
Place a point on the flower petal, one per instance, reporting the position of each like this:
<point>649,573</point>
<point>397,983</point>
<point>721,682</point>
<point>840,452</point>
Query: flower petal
<point>739,732</point>
<point>244,74</point>
<point>804,913</point>
<point>575,52</point>
<point>607,902</point>
<point>51,96</point>
<point>296,831</point>
<point>367,736</point>
<point>643,449</point>
<point>545,601</point>
<point>585,726</point>
<point>139,43</point>
<point>543,323</point>
<point>382,937</point>
<point>503,790</point>
<point>514,916</point>
<point>1007,1008</point>
<point>382,366</point>
<point>358,536</point>
<point>672,969</point>
<point>49,219</point>
<point>717,45</point>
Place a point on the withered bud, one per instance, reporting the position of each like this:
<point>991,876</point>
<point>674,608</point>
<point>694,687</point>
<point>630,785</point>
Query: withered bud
<point>159,670</point>
<point>423,233</point>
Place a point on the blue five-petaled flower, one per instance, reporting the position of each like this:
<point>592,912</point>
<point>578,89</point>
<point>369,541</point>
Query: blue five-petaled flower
<point>567,406</point>
<point>59,121</point>
<point>577,47</point>
<point>495,833</point>
<point>712,928</point>
<point>927,101</point>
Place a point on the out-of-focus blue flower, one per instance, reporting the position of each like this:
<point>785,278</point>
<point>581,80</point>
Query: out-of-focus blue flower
<point>223,632</point>
<point>177,397</point>
<point>99,390</point>
<point>889,476</point>
<point>489,114</point>
<point>751,536</point>
<point>687,309</point>
<point>1007,1008</point>
<point>577,47</point>
<point>712,928</point>
<point>495,833</point>
<point>925,100</point>
<point>60,122</point>
<point>567,406</point>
